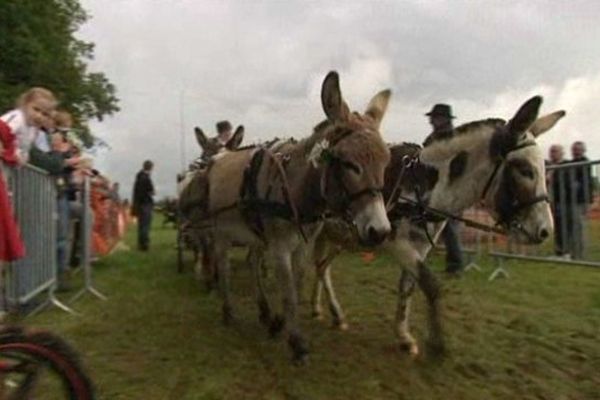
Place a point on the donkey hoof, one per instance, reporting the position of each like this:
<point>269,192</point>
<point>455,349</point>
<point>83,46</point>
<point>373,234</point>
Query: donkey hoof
<point>227,316</point>
<point>410,348</point>
<point>264,317</point>
<point>276,326</point>
<point>299,349</point>
<point>341,326</point>
<point>300,360</point>
<point>318,315</point>
<point>209,286</point>
<point>436,348</point>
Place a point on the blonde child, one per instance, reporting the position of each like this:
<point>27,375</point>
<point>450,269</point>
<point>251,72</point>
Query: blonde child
<point>19,128</point>
<point>34,109</point>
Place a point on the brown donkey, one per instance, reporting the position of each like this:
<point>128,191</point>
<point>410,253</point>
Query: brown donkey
<point>190,195</point>
<point>275,199</point>
<point>487,161</point>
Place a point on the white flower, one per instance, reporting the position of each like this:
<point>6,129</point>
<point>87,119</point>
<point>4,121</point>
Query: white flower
<point>316,154</point>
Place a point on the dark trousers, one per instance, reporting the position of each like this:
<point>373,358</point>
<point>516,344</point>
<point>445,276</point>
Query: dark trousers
<point>562,227</point>
<point>144,215</point>
<point>454,255</point>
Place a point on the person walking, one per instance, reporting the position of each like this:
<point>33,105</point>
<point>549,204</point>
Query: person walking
<point>440,118</point>
<point>143,203</point>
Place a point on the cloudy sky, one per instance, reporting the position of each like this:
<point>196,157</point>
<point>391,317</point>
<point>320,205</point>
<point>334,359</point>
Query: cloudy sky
<point>184,63</point>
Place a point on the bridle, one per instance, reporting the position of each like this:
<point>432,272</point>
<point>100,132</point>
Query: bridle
<point>508,213</point>
<point>336,164</point>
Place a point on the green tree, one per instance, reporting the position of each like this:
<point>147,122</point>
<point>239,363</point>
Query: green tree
<point>38,47</point>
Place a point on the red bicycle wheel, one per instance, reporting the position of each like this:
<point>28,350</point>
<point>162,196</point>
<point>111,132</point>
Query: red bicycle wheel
<point>40,365</point>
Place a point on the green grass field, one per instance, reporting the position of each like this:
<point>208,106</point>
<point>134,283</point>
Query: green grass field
<point>159,336</point>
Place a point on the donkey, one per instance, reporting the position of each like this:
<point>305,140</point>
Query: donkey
<point>276,200</point>
<point>190,198</point>
<point>489,161</point>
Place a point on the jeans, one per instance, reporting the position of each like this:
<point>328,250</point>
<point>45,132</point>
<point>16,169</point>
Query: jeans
<point>144,223</point>
<point>454,255</point>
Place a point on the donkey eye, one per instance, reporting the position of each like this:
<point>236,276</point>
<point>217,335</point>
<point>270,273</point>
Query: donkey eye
<point>526,172</point>
<point>353,167</point>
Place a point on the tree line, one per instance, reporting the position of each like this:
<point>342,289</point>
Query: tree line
<point>39,47</point>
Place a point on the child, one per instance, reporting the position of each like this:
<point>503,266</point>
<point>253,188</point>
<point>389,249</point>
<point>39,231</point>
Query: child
<point>19,128</point>
<point>11,245</point>
<point>34,109</point>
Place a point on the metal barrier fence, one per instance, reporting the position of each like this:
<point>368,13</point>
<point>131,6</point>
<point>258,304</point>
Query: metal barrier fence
<point>86,227</point>
<point>573,189</point>
<point>34,200</point>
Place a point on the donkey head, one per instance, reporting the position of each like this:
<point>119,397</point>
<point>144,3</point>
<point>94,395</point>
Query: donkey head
<point>518,198</point>
<point>211,147</point>
<point>352,158</point>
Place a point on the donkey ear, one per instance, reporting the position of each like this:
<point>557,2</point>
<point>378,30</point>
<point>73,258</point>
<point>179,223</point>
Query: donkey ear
<point>331,98</point>
<point>378,105</point>
<point>201,137</point>
<point>525,117</point>
<point>236,139</point>
<point>546,122</point>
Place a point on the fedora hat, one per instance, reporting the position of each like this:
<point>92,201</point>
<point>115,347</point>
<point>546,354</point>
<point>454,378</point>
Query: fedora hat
<point>443,110</point>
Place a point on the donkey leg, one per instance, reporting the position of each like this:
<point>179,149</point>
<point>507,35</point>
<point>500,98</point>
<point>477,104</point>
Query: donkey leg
<point>339,319</point>
<point>406,286</point>
<point>315,300</point>
<point>431,288</point>
<point>208,263</point>
<point>256,260</point>
<point>223,266</point>
<point>318,259</point>
<point>287,284</point>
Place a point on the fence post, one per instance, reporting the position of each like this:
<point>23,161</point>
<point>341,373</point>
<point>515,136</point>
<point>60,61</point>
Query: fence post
<point>87,223</point>
<point>499,271</point>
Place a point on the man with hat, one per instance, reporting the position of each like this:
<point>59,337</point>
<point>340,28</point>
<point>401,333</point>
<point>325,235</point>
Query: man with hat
<point>440,118</point>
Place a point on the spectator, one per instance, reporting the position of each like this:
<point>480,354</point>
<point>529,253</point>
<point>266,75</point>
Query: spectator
<point>582,190</point>
<point>61,149</point>
<point>34,108</point>
<point>143,190</point>
<point>559,185</point>
<point>11,244</point>
<point>440,118</point>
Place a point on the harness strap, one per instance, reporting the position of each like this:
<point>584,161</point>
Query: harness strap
<point>286,191</point>
<point>407,162</point>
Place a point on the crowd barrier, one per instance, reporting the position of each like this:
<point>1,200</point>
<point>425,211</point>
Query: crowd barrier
<point>30,283</point>
<point>573,192</point>
<point>87,226</point>
<point>33,195</point>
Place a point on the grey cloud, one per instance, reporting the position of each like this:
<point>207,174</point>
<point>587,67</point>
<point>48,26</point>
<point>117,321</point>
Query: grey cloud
<point>261,64</point>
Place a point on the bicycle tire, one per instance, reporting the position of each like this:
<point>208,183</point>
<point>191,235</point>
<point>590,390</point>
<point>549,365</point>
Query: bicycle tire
<point>51,351</point>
